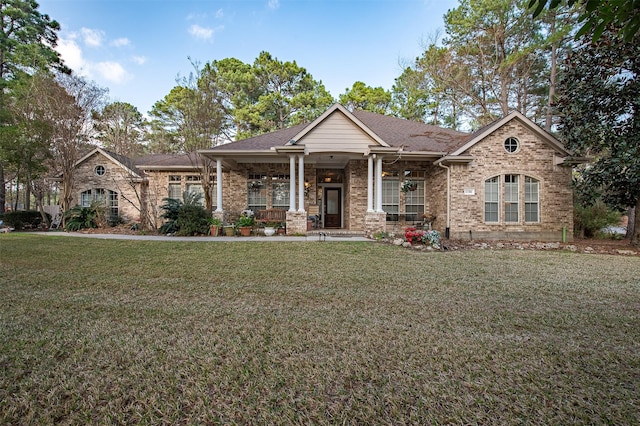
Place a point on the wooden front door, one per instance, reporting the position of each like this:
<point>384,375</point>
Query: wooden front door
<point>332,207</point>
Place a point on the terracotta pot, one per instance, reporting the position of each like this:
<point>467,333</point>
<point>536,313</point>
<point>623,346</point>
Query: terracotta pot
<point>245,231</point>
<point>214,230</point>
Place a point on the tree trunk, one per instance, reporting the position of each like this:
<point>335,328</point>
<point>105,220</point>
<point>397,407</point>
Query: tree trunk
<point>3,189</point>
<point>552,76</point>
<point>635,234</point>
<point>631,215</point>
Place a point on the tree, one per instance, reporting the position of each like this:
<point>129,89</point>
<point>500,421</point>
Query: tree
<point>120,128</point>
<point>366,98</point>
<point>26,135</point>
<point>599,105</point>
<point>287,95</point>
<point>596,16</point>
<point>27,41</point>
<point>192,116</point>
<point>69,105</point>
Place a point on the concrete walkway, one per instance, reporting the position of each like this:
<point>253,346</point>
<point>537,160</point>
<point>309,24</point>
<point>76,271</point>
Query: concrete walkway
<point>310,238</point>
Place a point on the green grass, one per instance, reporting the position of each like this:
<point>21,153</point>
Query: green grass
<point>137,332</point>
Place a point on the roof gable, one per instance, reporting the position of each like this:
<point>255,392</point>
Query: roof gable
<point>119,160</point>
<point>482,133</point>
<point>337,130</point>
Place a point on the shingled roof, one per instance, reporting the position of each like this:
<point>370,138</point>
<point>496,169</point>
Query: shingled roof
<point>396,132</point>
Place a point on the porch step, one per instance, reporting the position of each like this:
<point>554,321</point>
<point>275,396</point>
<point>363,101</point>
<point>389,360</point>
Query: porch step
<point>335,233</point>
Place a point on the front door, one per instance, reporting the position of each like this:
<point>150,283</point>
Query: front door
<point>332,207</point>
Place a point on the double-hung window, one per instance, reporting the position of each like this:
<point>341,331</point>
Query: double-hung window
<point>491,199</point>
<point>511,204</point>
<point>414,202</point>
<point>391,199</point>
<point>531,200</point>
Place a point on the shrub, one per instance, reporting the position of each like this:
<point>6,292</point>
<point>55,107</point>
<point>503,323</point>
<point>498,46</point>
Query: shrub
<point>192,220</point>
<point>188,218</point>
<point>78,217</point>
<point>23,218</point>
<point>419,236</point>
<point>588,220</point>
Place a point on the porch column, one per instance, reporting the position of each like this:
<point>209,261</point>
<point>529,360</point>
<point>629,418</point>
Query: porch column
<point>370,184</point>
<point>301,183</point>
<point>379,184</point>
<point>218,185</point>
<point>292,183</point>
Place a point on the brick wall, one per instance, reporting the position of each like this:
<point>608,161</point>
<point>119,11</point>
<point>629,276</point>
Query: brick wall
<point>534,158</point>
<point>114,179</point>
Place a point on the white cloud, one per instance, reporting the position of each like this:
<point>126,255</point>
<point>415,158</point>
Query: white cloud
<point>74,58</point>
<point>200,32</point>
<point>140,60</point>
<point>119,42</point>
<point>71,54</point>
<point>112,71</point>
<point>273,4</point>
<point>91,37</point>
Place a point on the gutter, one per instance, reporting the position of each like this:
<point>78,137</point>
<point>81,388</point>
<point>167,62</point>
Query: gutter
<point>448,169</point>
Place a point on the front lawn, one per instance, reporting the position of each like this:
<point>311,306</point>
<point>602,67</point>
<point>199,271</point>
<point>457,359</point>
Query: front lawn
<point>115,332</point>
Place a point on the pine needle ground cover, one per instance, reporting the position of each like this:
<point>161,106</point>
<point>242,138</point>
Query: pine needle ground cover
<point>137,332</point>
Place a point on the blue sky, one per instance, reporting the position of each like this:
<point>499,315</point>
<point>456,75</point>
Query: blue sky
<point>137,48</point>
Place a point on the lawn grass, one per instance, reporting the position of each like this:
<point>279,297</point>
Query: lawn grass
<point>139,332</point>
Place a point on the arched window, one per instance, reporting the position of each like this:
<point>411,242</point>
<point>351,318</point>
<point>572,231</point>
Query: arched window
<point>100,195</point>
<point>508,189</point>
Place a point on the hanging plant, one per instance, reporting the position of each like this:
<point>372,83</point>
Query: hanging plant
<point>409,185</point>
<point>255,185</point>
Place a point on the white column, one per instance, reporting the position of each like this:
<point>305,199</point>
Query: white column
<point>301,183</point>
<point>370,184</point>
<point>379,184</point>
<point>292,183</point>
<point>218,185</point>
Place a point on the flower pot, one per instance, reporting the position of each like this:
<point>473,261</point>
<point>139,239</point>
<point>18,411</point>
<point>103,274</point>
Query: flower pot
<point>230,231</point>
<point>214,230</point>
<point>245,231</point>
<point>269,231</point>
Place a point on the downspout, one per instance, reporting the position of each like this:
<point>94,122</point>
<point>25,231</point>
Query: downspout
<point>448,229</point>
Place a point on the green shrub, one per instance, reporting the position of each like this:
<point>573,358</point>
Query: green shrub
<point>588,220</point>
<point>188,218</point>
<point>78,217</point>
<point>192,220</point>
<point>23,218</point>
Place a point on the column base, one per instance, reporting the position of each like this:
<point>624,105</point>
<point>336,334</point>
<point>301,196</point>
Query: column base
<point>375,222</point>
<point>297,223</point>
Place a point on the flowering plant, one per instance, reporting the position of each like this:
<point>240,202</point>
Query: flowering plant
<point>419,236</point>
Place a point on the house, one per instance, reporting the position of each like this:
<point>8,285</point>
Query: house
<point>365,172</point>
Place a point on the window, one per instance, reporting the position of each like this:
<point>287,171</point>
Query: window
<point>414,202</point>
<point>100,195</point>
<point>511,198</point>
<point>491,191</point>
<point>511,191</point>
<point>391,198</point>
<point>256,192</point>
<point>99,170</point>
<point>511,145</point>
<point>280,195</point>
<point>175,187</point>
<point>196,188</point>
<point>531,200</point>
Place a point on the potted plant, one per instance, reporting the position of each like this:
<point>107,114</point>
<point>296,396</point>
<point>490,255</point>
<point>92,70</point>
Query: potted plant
<point>245,223</point>
<point>270,228</point>
<point>409,185</point>
<point>214,226</point>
